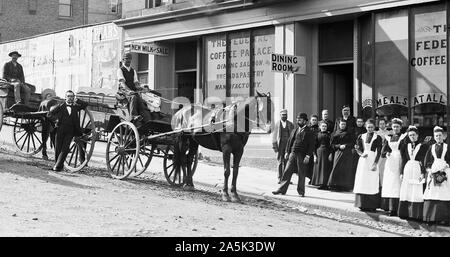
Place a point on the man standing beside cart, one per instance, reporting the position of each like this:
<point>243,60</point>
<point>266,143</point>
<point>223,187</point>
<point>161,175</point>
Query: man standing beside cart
<point>68,127</point>
<point>13,72</point>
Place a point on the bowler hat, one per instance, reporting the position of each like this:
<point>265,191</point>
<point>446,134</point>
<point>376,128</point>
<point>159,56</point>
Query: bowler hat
<point>13,53</point>
<point>302,116</point>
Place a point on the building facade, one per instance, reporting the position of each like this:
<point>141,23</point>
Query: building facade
<point>385,58</point>
<point>25,18</point>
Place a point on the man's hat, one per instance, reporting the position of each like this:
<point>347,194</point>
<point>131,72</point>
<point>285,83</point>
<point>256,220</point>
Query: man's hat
<point>345,106</point>
<point>284,111</point>
<point>13,53</point>
<point>127,55</point>
<point>302,116</point>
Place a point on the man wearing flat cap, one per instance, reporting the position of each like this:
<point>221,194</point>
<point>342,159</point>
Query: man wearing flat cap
<point>13,72</point>
<point>299,152</point>
<point>129,86</point>
<point>280,136</point>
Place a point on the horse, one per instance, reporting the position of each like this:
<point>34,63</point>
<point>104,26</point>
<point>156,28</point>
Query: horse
<point>229,136</point>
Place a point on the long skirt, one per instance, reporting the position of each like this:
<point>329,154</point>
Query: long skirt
<point>436,206</point>
<point>340,176</point>
<point>367,184</point>
<point>390,192</point>
<point>381,164</point>
<point>411,192</point>
<point>322,168</point>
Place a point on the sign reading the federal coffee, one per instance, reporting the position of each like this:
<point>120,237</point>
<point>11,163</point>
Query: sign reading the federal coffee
<point>288,64</point>
<point>147,48</point>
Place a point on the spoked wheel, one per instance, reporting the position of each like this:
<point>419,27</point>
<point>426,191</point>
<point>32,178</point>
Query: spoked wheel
<point>82,147</point>
<point>1,116</point>
<point>28,135</point>
<point>173,170</point>
<point>122,150</point>
<point>144,158</point>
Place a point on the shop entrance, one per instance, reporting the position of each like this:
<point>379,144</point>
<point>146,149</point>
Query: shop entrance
<point>336,84</point>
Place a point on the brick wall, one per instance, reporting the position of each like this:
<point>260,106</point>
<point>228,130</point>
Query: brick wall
<point>100,10</point>
<point>17,22</point>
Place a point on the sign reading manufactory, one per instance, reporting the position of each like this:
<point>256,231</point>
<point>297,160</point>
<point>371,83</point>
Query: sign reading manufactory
<point>288,64</point>
<point>148,48</point>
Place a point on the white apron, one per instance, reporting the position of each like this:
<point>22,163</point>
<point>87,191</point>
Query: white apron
<point>382,161</point>
<point>411,189</point>
<point>441,192</point>
<point>391,176</point>
<point>366,180</point>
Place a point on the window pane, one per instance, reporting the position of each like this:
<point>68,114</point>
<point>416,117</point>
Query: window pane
<point>239,64</point>
<point>142,62</point>
<point>186,55</point>
<point>428,67</point>
<point>64,1</point>
<point>263,45</point>
<point>215,66</point>
<point>391,69</point>
<point>64,10</point>
<point>366,66</point>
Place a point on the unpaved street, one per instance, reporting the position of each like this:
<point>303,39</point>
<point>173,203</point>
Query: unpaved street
<point>38,202</point>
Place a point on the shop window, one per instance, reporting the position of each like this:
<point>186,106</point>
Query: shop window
<point>391,69</point>
<point>367,44</point>
<point>142,69</point>
<point>65,8</point>
<point>156,3</point>
<point>242,56</point>
<point>428,64</point>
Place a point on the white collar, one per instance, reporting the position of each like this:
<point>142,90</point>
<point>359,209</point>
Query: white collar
<point>128,68</point>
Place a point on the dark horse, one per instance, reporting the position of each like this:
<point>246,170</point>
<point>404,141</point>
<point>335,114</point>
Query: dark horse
<point>228,132</point>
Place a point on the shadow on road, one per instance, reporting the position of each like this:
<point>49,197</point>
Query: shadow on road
<point>36,173</point>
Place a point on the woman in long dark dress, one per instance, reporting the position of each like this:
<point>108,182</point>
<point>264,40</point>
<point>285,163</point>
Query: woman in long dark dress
<point>412,175</point>
<point>342,143</point>
<point>436,206</point>
<point>367,185</point>
<point>322,158</point>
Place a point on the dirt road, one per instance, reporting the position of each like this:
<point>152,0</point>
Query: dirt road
<point>38,202</point>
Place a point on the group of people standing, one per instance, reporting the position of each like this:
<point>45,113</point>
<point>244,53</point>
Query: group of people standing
<point>386,169</point>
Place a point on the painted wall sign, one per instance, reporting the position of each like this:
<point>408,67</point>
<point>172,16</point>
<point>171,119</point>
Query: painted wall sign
<point>288,64</point>
<point>426,98</point>
<point>147,48</point>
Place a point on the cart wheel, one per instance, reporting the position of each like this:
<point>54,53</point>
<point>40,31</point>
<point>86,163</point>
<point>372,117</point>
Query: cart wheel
<point>144,158</point>
<point>28,135</point>
<point>1,116</point>
<point>194,161</point>
<point>82,147</point>
<point>122,150</point>
<point>173,170</point>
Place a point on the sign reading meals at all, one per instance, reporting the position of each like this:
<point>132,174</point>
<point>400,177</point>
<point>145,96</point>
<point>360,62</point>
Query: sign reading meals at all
<point>288,64</point>
<point>147,48</point>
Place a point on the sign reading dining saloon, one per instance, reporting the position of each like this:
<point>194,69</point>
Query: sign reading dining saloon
<point>147,48</point>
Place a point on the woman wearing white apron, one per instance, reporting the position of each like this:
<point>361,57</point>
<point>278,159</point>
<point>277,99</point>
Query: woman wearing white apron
<point>412,176</point>
<point>390,192</point>
<point>382,132</point>
<point>367,185</point>
<point>436,206</point>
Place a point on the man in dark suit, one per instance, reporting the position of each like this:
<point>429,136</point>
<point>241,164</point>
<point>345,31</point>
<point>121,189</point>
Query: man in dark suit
<point>68,126</point>
<point>13,72</point>
<point>346,115</point>
<point>299,151</point>
<point>280,136</point>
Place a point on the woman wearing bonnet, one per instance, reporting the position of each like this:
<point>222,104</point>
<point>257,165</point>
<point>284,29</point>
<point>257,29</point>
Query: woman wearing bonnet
<point>436,206</point>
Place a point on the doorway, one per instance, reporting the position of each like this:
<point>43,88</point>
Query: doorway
<point>336,85</point>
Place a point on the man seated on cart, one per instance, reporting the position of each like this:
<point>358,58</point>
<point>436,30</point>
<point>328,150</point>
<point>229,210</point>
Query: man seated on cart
<point>143,103</point>
<point>13,72</point>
